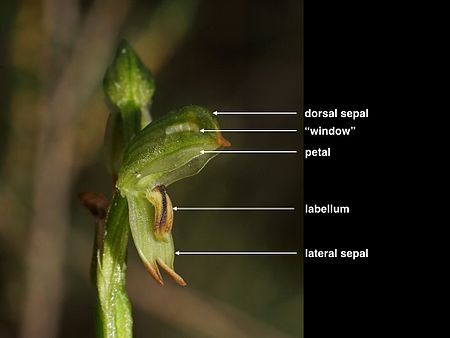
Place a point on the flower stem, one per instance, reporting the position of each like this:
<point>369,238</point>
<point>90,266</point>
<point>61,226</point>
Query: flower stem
<point>114,317</point>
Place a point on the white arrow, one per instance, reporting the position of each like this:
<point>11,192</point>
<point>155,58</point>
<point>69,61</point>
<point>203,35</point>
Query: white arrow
<point>248,151</point>
<point>256,113</point>
<point>233,208</point>
<point>249,130</point>
<point>236,253</point>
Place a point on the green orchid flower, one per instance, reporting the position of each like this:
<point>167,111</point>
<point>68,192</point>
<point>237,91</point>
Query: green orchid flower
<point>164,152</point>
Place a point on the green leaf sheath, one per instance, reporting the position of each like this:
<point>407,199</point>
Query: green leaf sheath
<point>113,307</point>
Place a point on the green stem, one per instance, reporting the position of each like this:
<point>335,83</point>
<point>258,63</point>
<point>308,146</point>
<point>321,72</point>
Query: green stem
<point>114,317</point>
<point>132,116</point>
<point>129,87</point>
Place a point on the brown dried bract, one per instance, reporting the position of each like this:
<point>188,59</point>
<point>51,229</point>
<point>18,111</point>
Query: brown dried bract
<point>97,203</point>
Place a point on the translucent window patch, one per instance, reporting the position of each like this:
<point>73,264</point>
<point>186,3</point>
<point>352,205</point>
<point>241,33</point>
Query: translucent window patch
<point>178,128</point>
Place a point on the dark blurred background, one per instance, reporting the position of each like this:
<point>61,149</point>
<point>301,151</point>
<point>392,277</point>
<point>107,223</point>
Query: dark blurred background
<point>224,55</point>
